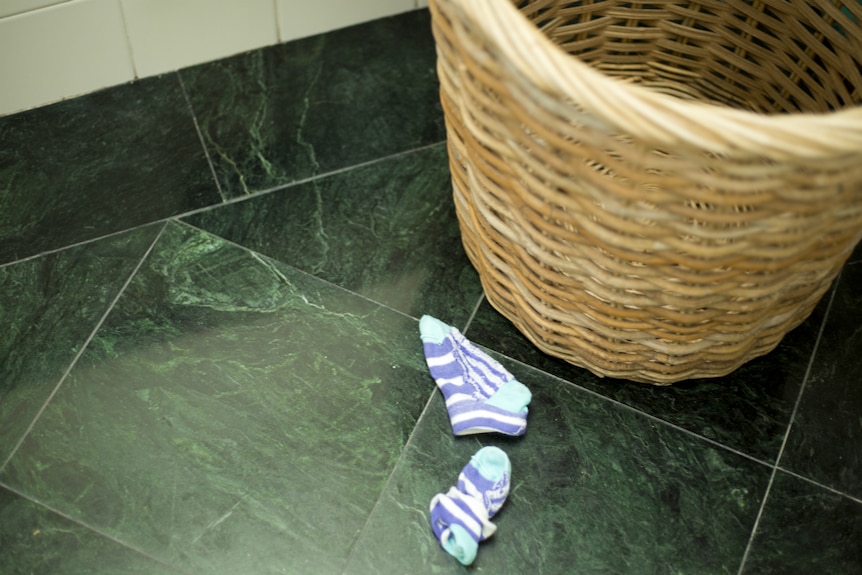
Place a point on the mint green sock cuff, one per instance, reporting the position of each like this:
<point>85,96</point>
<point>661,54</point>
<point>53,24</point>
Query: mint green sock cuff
<point>461,545</point>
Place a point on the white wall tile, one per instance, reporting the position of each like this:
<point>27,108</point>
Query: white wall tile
<point>61,51</point>
<point>170,34</point>
<point>55,49</point>
<point>300,18</point>
<point>12,7</point>
<point>421,3</point>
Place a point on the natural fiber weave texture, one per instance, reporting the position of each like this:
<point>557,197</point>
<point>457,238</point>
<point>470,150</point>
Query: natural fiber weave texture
<point>654,191</point>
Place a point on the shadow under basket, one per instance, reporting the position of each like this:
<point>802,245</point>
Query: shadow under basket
<point>654,191</point>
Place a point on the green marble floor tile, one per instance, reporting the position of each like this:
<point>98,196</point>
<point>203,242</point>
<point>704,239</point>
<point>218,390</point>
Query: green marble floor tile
<point>748,410</point>
<point>99,164</point>
<point>36,540</point>
<point>49,306</point>
<point>387,231</point>
<point>596,489</point>
<point>824,442</point>
<point>233,415</point>
<point>806,530</point>
<point>287,112</point>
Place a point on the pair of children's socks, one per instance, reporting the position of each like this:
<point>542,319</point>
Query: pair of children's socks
<point>481,397</point>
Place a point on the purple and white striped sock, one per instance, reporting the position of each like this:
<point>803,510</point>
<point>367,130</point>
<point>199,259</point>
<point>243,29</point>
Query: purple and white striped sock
<point>460,518</point>
<point>481,395</point>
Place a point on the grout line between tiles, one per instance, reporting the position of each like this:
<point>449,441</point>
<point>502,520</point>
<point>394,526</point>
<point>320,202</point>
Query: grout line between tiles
<point>200,135</point>
<point>81,350</point>
<point>820,485</point>
<point>130,51</point>
<point>326,282</point>
<point>308,179</point>
<point>277,17</point>
<point>385,488</point>
<point>775,466</point>
<point>473,314</point>
<point>86,526</point>
<point>82,243</point>
<point>224,203</point>
<point>630,408</point>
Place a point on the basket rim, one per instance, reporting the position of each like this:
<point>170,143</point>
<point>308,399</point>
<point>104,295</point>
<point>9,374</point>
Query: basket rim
<point>652,116</point>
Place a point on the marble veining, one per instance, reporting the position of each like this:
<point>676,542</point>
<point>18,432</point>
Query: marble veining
<point>284,113</point>
<point>824,442</point>
<point>49,306</point>
<point>597,489</point>
<point>806,530</point>
<point>99,164</point>
<point>216,368</point>
<point>387,231</point>
<point>747,410</point>
<point>246,427</point>
<point>35,540</point>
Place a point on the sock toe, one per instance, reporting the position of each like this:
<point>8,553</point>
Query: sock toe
<point>512,396</point>
<point>432,329</point>
<point>493,463</point>
<point>488,477</point>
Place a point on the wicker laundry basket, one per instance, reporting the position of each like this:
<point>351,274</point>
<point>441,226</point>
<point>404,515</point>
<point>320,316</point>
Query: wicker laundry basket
<point>654,191</point>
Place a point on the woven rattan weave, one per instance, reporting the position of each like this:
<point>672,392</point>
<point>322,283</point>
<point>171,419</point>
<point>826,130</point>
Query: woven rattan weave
<point>654,191</point>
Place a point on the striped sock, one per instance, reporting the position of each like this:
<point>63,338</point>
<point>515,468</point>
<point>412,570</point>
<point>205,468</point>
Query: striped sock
<point>460,518</point>
<point>481,395</point>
